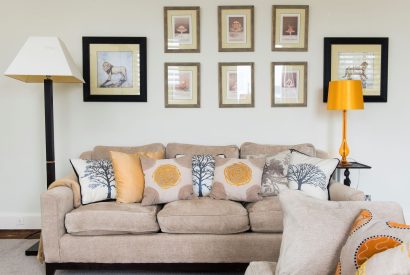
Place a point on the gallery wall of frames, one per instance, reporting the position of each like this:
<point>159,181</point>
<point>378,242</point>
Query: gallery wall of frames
<point>115,68</point>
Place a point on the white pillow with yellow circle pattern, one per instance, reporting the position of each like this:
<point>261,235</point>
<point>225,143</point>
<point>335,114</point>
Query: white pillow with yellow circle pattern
<point>167,180</point>
<point>391,261</point>
<point>238,179</point>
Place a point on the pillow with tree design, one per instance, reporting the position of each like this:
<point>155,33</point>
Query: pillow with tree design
<point>310,175</point>
<point>96,178</point>
<point>203,167</point>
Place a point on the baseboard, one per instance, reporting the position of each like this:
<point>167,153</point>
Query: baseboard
<point>20,221</point>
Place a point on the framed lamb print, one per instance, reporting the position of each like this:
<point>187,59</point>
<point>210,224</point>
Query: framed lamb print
<point>290,25</point>
<point>182,85</point>
<point>236,28</point>
<point>236,87</point>
<point>115,69</point>
<point>357,58</point>
<point>181,29</point>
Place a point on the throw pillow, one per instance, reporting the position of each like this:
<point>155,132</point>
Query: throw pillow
<point>203,167</point>
<point>129,176</point>
<point>167,180</point>
<point>310,175</point>
<point>274,178</point>
<point>370,235</point>
<point>314,230</point>
<point>392,261</point>
<point>237,179</point>
<point>96,178</point>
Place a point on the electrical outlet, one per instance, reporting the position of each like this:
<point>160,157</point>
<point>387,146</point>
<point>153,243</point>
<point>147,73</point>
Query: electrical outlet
<point>20,221</point>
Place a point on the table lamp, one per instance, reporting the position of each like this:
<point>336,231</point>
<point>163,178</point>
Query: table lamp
<point>45,59</point>
<point>345,95</point>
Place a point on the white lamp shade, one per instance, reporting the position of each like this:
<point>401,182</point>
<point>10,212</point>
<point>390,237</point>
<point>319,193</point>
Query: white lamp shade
<point>41,58</point>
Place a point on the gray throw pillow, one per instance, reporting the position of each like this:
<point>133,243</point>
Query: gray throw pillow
<point>274,177</point>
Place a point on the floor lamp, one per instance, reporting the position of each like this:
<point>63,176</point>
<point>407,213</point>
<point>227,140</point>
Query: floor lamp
<point>45,60</point>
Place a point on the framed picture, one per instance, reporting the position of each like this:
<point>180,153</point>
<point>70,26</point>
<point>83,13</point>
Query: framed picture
<point>182,85</point>
<point>290,25</point>
<point>236,88</point>
<point>235,28</point>
<point>289,84</point>
<point>115,69</point>
<point>364,59</point>
<point>181,30</point>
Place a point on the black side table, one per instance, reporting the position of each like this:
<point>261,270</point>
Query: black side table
<point>351,165</point>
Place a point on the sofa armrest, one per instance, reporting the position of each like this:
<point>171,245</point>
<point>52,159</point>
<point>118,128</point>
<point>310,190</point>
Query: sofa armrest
<point>55,203</point>
<point>340,192</point>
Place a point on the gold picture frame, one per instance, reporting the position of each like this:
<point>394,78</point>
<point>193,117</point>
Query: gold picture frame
<point>182,85</point>
<point>289,84</point>
<point>290,27</point>
<point>236,28</point>
<point>236,84</point>
<point>182,30</point>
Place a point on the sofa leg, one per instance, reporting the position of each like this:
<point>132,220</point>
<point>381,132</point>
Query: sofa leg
<point>50,269</point>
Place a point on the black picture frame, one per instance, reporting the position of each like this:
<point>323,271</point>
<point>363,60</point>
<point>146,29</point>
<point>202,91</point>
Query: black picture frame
<point>140,78</point>
<point>327,68</point>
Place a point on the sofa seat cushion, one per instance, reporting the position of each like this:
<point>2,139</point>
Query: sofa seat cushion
<point>265,216</point>
<point>203,215</point>
<point>108,218</point>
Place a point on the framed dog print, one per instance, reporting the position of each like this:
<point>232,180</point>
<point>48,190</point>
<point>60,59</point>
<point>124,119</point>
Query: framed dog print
<point>181,30</point>
<point>289,84</point>
<point>182,85</point>
<point>115,69</point>
<point>236,87</point>
<point>364,59</point>
<point>290,25</point>
<point>235,28</point>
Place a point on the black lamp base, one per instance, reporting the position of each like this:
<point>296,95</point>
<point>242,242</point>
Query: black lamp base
<point>33,250</point>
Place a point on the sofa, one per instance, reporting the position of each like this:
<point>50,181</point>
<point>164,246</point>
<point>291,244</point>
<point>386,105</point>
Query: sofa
<point>197,233</point>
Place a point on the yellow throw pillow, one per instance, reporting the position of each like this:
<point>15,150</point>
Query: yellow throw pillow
<point>129,176</point>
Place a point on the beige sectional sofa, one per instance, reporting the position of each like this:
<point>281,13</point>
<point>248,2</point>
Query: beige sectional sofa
<point>195,231</point>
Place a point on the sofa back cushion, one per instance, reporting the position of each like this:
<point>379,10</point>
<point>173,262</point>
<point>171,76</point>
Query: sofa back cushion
<point>250,148</point>
<point>103,152</point>
<point>175,149</point>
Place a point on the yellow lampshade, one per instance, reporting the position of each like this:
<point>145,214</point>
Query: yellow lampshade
<point>345,95</point>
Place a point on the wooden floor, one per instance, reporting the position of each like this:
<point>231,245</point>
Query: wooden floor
<point>20,234</point>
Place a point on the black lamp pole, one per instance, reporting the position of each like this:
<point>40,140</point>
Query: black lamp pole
<point>51,172</point>
<point>48,105</point>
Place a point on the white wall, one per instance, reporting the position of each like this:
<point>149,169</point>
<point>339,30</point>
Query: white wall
<point>378,135</point>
